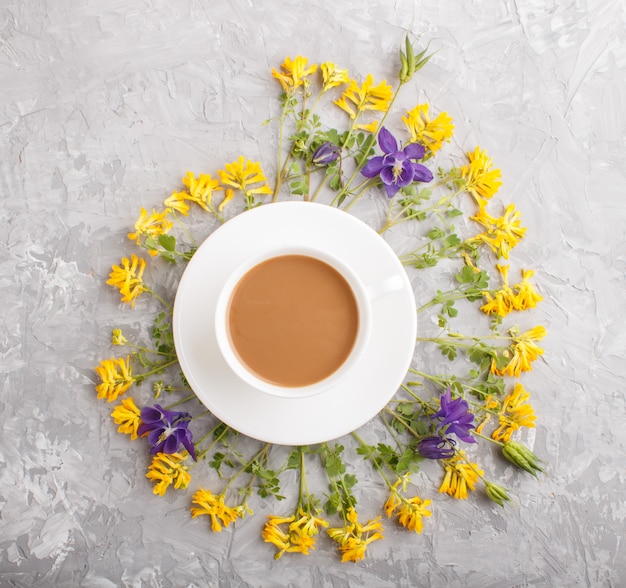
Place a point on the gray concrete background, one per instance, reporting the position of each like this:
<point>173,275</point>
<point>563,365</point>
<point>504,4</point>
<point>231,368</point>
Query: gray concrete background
<point>105,105</point>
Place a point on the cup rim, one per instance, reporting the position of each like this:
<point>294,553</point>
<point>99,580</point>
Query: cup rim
<point>241,370</point>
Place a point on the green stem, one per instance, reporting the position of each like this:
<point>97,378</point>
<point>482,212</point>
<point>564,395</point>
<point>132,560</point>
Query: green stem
<point>376,465</point>
<point>202,453</point>
<point>179,402</point>
<point>157,368</point>
<point>161,300</point>
<point>279,165</point>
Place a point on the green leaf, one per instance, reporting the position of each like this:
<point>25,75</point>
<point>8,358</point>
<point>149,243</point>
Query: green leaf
<point>168,242</point>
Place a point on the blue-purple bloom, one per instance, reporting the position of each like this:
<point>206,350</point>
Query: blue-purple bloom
<point>455,417</point>
<point>326,153</point>
<point>436,447</point>
<point>398,167</point>
<point>166,430</point>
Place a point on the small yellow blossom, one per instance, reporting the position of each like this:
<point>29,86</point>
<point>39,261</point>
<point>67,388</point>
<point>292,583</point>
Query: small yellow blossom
<point>227,198</point>
<point>176,202</point>
<point>298,538</point>
<point>527,296</point>
<point>127,416</point>
<point>273,533</point>
<point>502,233</point>
<point>431,133</point>
<point>353,538</point>
<point>167,469</point>
<point>459,476</point>
<point>246,176</point>
<point>503,300</point>
<point>150,225</point>
<point>482,180</point>
<point>409,511</point>
<point>332,76</point>
<point>522,352</point>
<point>117,337</point>
<point>367,127</point>
<point>516,412</point>
<point>116,377</point>
<point>365,97</point>
<point>294,73</point>
<point>507,299</point>
<point>214,506</point>
<point>490,404</point>
<point>128,277</point>
<point>201,189</point>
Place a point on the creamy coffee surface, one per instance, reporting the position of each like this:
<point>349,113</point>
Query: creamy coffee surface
<point>293,320</point>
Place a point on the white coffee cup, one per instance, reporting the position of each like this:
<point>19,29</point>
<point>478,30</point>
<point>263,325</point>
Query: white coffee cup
<point>363,294</point>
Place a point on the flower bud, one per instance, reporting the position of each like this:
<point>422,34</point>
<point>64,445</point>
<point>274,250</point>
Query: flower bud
<point>117,337</point>
<point>497,493</point>
<point>522,457</point>
<point>326,153</point>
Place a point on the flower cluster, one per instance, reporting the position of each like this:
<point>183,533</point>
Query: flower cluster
<point>436,420</point>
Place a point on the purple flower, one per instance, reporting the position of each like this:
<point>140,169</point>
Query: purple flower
<point>455,417</point>
<point>436,448</point>
<point>398,167</point>
<point>166,430</point>
<point>326,153</point>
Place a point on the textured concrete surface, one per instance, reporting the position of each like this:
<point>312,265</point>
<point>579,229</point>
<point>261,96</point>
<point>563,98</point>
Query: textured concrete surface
<point>105,105</point>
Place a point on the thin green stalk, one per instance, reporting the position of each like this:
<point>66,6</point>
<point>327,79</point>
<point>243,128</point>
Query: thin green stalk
<point>179,402</point>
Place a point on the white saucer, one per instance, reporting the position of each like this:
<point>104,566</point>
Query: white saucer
<point>294,421</point>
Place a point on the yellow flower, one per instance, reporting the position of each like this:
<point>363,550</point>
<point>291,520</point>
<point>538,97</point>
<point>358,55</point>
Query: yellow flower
<point>151,226</point>
<point>213,505</point>
<point>272,533</point>
<point>522,353</point>
<point>176,202</point>
<point>293,73</point>
<point>115,376</point>
<point>117,337</point>
<point>502,233</point>
<point>227,198</point>
<point>431,133</point>
<point>369,127</point>
<point>243,175</point>
<point>459,477</point>
<point>520,297</point>
<point>201,189</point>
<point>516,412</point>
<point>332,76</point>
<point>482,180</point>
<point>128,277</point>
<point>353,538</point>
<point>527,296</point>
<point>489,405</point>
<point>410,511</point>
<point>300,536</point>
<point>127,416</point>
<point>503,300</point>
<point>167,469</point>
<point>365,97</point>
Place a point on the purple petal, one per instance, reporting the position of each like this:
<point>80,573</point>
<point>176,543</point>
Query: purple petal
<point>155,435</point>
<point>171,444</point>
<point>372,167</point>
<point>414,151</point>
<point>436,448</point>
<point>421,173</point>
<point>391,190</point>
<point>387,141</point>
<point>189,446</point>
<point>151,414</point>
<point>386,175</point>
